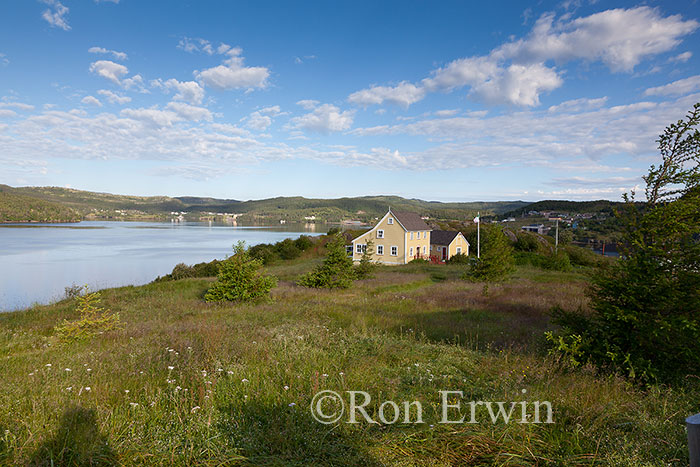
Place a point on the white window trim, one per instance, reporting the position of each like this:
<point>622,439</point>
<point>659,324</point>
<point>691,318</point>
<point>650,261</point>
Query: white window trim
<point>391,250</point>
<point>390,221</point>
<point>411,235</point>
<point>380,233</point>
<point>459,250</point>
<point>380,249</point>
<point>410,252</point>
<point>424,250</point>
<point>360,248</point>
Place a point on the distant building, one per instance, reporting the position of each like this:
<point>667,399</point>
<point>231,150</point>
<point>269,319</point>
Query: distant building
<point>537,228</point>
<point>444,244</point>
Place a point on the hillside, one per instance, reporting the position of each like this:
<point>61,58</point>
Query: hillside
<point>189,383</point>
<point>572,207</point>
<point>366,208</point>
<point>15,207</point>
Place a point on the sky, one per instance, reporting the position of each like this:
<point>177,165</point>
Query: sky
<point>446,101</point>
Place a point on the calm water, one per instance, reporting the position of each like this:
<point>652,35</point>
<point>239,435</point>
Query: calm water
<point>38,261</point>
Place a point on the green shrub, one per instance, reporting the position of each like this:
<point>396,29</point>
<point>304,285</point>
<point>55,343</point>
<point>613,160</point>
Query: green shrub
<point>583,256</point>
<point>303,243</point>
<point>93,319</point>
<point>557,262</point>
<point>419,261</point>
<point>183,271</point>
<point>239,279</point>
<point>337,270</point>
<point>366,268</point>
<point>287,249</point>
<point>526,242</point>
<point>264,252</point>
<point>459,258</point>
<point>496,260</point>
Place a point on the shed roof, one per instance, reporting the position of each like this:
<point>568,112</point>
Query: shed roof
<point>443,237</point>
<point>410,221</point>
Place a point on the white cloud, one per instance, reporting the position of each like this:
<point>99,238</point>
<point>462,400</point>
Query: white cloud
<point>4,60</point>
<point>6,113</point>
<point>518,72</point>
<point>446,113</point>
<point>109,70</point>
<point>620,38</point>
<point>403,94</point>
<point>55,14</point>
<point>101,50</point>
<point>190,112</point>
<point>308,104</point>
<point>189,91</point>
<point>676,88</point>
<point>518,84</point>
<point>232,74</point>
<point>681,58</point>
<point>577,105</point>
<point>91,100</point>
<point>325,118</point>
<point>258,122</point>
<point>113,98</point>
<point>16,105</point>
<point>106,1</point>
<point>199,45</point>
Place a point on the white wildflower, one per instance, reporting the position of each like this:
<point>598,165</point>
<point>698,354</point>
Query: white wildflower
<point>195,408</point>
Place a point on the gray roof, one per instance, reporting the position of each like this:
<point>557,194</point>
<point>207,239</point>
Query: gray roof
<point>410,221</point>
<point>442,237</point>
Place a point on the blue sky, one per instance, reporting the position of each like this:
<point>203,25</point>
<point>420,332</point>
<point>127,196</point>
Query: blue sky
<point>452,101</point>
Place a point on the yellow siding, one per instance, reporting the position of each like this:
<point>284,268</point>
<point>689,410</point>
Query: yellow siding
<point>458,242</point>
<point>421,240</point>
<point>393,236</point>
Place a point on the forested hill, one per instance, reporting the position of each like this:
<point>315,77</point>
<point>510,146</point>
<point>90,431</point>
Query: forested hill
<point>105,205</point>
<point>20,208</point>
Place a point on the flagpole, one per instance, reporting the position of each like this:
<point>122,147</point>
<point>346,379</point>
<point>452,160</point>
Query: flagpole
<point>478,235</point>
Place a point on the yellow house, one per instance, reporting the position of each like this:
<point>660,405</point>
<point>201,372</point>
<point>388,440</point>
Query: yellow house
<point>444,244</point>
<point>399,237</point>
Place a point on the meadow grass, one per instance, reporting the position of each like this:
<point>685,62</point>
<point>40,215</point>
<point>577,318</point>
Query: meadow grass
<point>191,383</point>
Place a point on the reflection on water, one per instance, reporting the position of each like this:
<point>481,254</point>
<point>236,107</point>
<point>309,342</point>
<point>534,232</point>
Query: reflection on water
<point>39,260</point>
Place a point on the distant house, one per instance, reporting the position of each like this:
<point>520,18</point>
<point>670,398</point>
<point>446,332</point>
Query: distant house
<point>537,228</point>
<point>444,244</point>
<point>399,237</point>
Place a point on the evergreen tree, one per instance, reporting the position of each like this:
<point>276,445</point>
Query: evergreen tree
<point>646,320</point>
<point>366,267</point>
<point>239,279</point>
<point>337,270</point>
<point>496,260</point>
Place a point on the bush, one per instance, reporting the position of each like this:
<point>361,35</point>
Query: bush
<point>264,252</point>
<point>303,243</point>
<point>239,279</point>
<point>459,258</point>
<point>583,256</point>
<point>366,268</point>
<point>337,270</point>
<point>557,262</point>
<point>526,242</point>
<point>183,271</point>
<point>93,319</point>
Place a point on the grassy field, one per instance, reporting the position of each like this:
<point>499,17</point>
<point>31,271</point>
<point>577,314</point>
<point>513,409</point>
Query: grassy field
<point>189,383</point>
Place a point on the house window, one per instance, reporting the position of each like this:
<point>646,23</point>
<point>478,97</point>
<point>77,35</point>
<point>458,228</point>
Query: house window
<point>410,252</point>
<point>360,248</point>
<point>390,221</point>
<point>348,249</point>
<point>459,250</point>
<point>411,235</point>
<point>424,249</point>
<point>394,251</point>
<point>380,234</point>
<point>380,249</point>
<point>425,234</point>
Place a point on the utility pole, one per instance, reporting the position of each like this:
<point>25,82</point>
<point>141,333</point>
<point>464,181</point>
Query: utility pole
<point>556,239</point>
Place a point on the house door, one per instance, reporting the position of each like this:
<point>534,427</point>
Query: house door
<point>444,253</point>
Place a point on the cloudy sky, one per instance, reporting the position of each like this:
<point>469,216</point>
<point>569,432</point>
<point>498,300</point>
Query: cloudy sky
<point>434,100</point>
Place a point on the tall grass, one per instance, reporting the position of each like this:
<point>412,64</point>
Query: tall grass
<point>186,382</point>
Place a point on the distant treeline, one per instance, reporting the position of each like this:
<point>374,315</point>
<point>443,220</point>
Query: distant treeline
<point>18,208</point>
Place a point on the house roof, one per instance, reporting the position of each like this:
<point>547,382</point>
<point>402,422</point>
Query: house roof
<point>410,221</point>
<point>443,237</point>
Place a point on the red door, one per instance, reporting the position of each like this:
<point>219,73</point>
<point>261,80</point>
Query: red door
<point>444,253</point>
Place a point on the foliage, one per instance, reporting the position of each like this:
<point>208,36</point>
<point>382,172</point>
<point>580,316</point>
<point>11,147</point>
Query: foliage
<point>287,249</point>
<point>579,256</point>
<point>526,241</point>
<point>337,270</point>
<point>459,258</point>
<point>366,268</point>
<point>239,279</point>
<point>183,271</point>
<point>303,243</point>
<point>93,319</point>
<point>496,260</point>
<point>15,207</point>
<point>646,322</point>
